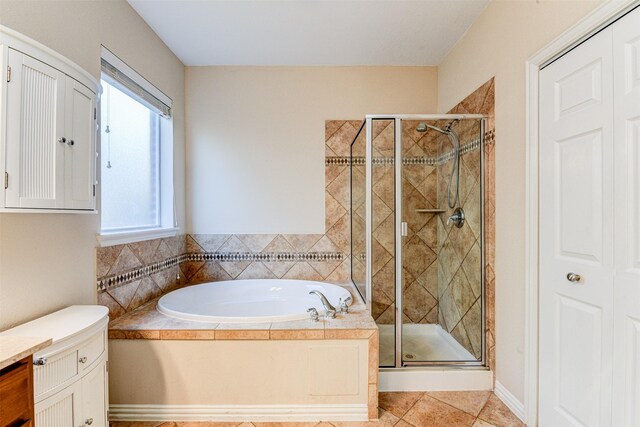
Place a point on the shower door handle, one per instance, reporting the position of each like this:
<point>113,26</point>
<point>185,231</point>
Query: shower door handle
<point>404,229</point>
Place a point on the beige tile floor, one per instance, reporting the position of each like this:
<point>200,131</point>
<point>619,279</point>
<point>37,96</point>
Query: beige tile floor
<point>402,409</point>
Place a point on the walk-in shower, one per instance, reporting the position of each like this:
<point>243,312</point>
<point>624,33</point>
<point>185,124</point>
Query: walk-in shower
<point>417,191</point>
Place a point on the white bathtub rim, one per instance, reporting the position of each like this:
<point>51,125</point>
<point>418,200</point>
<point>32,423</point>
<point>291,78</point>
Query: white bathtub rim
<point>330,290</point>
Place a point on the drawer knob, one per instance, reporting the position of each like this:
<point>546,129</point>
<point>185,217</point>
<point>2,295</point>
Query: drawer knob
<point>40,361</point>
<point>83,359</point>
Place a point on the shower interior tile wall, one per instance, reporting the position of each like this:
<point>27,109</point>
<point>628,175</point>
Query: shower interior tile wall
<point>441,265</point>
<point>460,251</point>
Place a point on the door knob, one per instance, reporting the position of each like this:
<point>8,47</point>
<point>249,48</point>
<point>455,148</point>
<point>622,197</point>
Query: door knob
<point>83,359</point>
<point>573,277</point>
<point>89,421</point>
<point>62,140</point>
<point>70,142</point>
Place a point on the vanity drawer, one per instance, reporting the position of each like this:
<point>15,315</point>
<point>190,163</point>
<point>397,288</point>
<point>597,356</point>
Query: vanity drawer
<point>54,372</point>
<point>16,394</point>
<point>90,351</point>
<point>57,370</point>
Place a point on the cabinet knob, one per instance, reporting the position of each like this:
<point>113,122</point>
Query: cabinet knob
<point>89,421</point>
<point>40,361</point>
<point>70,142</point>
<point>83,359</point>
<point>62,140</point>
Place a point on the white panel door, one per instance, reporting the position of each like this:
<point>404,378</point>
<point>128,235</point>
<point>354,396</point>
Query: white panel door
<point>94,410</point>
<point>80,154</point>
<point>35,123</point>
<point>576,236</point>
<point>626,378</point>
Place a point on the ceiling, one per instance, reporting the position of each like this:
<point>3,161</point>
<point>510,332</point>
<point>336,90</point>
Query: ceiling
<point>310,32</point>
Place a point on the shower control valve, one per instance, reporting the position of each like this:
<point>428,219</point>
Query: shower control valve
<point>457,218</point>
<point>313,313</point>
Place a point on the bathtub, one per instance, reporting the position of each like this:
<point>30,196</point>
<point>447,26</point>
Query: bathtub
<point>250,301</point>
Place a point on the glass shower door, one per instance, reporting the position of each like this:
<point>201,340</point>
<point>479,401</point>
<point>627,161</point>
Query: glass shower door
<point>441,262</point>
<point>383,237</point>
<point>412,180</point>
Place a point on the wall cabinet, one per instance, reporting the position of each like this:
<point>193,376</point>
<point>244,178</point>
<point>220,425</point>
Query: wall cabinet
<point>48,130</point>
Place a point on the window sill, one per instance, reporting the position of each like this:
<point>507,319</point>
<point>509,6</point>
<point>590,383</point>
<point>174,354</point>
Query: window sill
<point>120,238</point>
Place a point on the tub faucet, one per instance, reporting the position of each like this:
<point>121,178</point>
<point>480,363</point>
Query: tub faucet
<point>329,309</point>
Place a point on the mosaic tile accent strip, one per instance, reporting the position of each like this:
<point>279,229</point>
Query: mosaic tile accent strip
<point>138,273</point>
<point>410,161</point>
<point>267,256</point>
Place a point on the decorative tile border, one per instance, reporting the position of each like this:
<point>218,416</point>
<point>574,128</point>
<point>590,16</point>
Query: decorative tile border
<point>266,256</point>
<point>114,281</point>
<point>408,161</point>
<point>138,273</point>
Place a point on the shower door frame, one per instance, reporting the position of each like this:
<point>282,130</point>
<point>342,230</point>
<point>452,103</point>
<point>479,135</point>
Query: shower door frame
<point>397,121</point>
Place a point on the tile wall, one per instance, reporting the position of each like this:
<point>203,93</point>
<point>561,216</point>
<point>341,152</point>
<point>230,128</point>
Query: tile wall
<point>459,256</point>
<point>132,274</point>
<point>453,261</point>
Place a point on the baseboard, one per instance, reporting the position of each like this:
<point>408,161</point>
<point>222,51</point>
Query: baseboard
<point>354,412</point>
<point>435,379</point>
<point>510,400</point>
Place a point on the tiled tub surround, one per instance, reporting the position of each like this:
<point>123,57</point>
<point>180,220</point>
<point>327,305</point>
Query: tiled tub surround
<point>222,372</point>
<point>132,274</point>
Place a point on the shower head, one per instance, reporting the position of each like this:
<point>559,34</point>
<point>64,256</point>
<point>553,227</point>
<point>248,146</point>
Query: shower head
<point>422,127</point>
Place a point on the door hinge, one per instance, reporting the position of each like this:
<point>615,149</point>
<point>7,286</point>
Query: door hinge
<point>107,365</point>
<point>95,114</point>
<point>94,190</point>
<point>6,180</point>
<point>8,73</point>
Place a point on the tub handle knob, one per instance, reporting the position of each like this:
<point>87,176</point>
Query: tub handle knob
<point>313,313</point>
<point>344,305</point>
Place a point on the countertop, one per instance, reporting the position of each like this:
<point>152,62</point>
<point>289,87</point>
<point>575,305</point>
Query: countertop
<point>14,348</point>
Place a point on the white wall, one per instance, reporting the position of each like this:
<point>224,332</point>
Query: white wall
<point>497,44</point>
<point>255,138</point>
<point>47,261</point>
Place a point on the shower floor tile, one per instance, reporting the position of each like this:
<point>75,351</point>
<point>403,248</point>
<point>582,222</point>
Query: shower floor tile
<point>421,343</point>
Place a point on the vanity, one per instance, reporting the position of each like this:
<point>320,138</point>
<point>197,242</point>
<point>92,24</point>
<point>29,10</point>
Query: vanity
<point>16,379</point>
<point>60,380</point>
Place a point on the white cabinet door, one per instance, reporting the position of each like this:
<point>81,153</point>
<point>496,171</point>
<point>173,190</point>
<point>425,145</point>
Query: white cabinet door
<point>576,236</point>
<point>80,157</point>
<point>60,410</point>
<point>626,378</point>
<point>94,410</point>
<point>35,123</point>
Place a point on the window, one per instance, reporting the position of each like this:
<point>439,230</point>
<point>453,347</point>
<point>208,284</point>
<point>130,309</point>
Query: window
<point>136,164</point>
